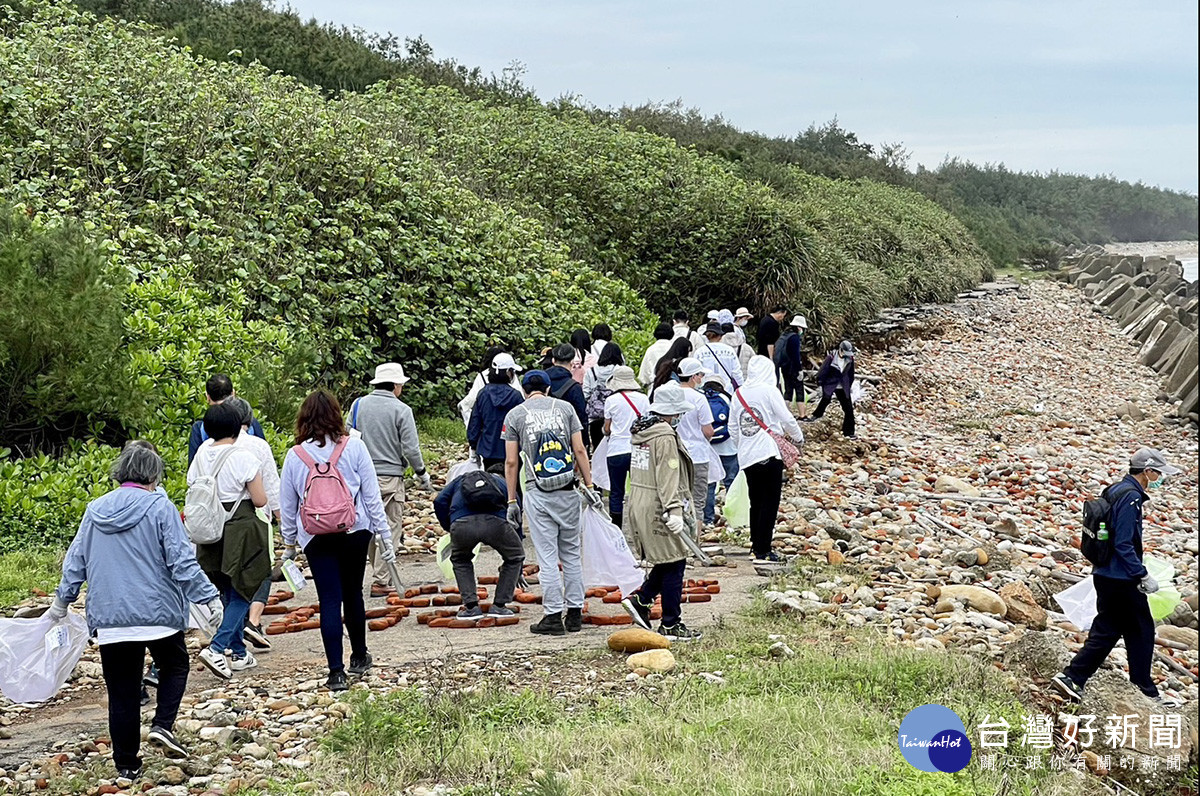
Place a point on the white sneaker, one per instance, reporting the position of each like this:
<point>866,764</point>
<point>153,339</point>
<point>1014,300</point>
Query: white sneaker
<point>247,661</point>
<point>216,663</point>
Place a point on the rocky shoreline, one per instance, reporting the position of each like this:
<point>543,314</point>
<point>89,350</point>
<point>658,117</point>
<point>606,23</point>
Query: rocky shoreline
<point>949,526</point>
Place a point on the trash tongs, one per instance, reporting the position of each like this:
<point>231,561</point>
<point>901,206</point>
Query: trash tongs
<point>690,543</point>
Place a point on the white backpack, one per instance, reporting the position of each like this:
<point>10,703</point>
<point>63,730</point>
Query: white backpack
<point>204,516</point>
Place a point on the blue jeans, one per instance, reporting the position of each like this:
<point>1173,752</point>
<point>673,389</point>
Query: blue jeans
<point>618,471</point>
<point>229,636</point>
<point>730,463</point>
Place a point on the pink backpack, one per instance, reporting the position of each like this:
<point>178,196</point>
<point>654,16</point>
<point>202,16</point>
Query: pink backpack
<point>327,505</point>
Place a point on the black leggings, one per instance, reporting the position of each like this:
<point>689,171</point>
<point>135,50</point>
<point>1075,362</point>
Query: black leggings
<point>338,562</point>
<point>595,433</point>
<point>764,482</point>
<point>122,665</point>
<point>666,580</point>
<point>793,385</point>
<point>847,410</point>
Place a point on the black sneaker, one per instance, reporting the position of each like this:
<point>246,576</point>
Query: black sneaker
<point>257,638</point>
<point>471,612</point>
<point>640,613</point>
<point>770,558</point>
<point>500,612</point>
<point>165,740</point>
<point>359,666</point>
<point>150,678</point>
<point>145,696</point>
<point>337,681</point>
<point>551,625</point>
<point>679,632</point>
<point>573,621</point>
<point>128,776</point>
<point>1067,687</point>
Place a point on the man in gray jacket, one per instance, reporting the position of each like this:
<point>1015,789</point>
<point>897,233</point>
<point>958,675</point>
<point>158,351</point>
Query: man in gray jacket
<point>389,431</point>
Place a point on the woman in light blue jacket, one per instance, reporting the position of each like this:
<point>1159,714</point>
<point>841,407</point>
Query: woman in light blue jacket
<point>141,571</point>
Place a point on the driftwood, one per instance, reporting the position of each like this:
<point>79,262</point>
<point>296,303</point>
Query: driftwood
<point>1174,665</point>
<point>963,498</point>
<point>1174,645</point>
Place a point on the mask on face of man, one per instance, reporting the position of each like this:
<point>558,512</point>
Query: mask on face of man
<point>1158,482</point>
<point>674,421</point>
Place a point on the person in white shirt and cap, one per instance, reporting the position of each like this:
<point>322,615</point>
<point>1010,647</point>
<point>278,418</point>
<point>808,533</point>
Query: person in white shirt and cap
<point>719,358</point>
<point>389,431</point>
<point>741,318</point>
<point>695,429</point>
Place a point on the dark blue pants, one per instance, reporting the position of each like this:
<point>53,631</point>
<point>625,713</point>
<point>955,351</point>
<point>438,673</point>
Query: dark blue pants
<point>666,580</point>
<point>618,471</point>
<point>1121,612</point>
<point>338,562</point>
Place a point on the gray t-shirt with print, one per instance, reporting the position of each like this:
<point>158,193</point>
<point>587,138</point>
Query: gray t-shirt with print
<point>524,423</point>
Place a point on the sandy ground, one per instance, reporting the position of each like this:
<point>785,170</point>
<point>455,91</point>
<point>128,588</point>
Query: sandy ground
<point>1179,249</point>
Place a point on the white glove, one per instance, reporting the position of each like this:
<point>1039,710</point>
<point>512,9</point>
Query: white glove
<point>1148,585</point>
<point>211,613</point>
<point>386,551</point>
<point>426,483</point>
<point>289,553</point>
<point>57,610</point>
<point>675,523</point>
<point>513,514</point>
<point>474,457</point>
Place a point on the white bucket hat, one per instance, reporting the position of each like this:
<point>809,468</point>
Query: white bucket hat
<point>800,321</point>
<point>742,312</point>
<point>389,372</point>
<point>669,399</point>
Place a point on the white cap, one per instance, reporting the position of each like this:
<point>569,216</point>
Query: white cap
<point>799,320</point>
<point>389,372</point>
<point>690,366</point>
<point>714,314</point>
<point>742,312</point>
<point>505,361</point>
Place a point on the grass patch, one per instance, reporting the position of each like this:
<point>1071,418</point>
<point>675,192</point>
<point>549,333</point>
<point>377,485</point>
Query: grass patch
<point>821,722</point>
<point>437,428</point>
<point>22,571</point>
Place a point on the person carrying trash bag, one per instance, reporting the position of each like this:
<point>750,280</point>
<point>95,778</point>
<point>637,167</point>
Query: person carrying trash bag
<point>836,377</point>
<point>659,511</point>
<point>1122,584</point>
<point>141,571</point>
<point>473,510</point>
<point>546,434</point>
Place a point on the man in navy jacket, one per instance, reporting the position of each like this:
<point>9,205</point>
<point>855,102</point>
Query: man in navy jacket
<point>1122,584</point>
<point>563,385</point>
<point>473,509</point>
<point>216,390</point>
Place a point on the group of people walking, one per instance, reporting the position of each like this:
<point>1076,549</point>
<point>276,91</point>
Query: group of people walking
<point>706,407</point>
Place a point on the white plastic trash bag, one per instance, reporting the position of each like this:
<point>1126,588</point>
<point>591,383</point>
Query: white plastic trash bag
<point>600,466</point>
<point>857,392</point>
<point>37,656</point>
<point>462,468</point>
<point>607,560</point>
<point>1079,603</point>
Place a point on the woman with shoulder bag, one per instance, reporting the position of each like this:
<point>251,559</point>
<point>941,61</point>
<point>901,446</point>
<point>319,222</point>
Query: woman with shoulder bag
<point>760,419</point>
<point>596,391</point>
<point>336,556</point>
<point>623,407</point>
<point>240,560</point>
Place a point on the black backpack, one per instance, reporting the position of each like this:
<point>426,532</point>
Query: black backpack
<point>482,493</point>
<point>1098,512</point>
<point>781,358</point>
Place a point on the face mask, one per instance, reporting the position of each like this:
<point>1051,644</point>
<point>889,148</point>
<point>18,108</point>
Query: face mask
<point>674,422</point>
<point>1158,483</point>
<point>741,322</point>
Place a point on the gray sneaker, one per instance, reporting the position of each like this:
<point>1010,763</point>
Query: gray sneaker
<point>499,612</point>
<point>473,612</point>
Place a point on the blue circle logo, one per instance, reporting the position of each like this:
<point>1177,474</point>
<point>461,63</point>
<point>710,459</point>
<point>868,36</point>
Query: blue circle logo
<point>932,738</point>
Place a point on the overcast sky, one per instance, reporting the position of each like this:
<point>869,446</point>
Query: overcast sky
<point>1087,87</point>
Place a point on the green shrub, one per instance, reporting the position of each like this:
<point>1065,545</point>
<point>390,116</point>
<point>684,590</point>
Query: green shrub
<point>60,334</point>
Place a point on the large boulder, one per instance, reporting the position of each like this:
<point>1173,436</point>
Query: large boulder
<point>655,660</point>
<point>635,639</point>
<point>977,597</point>
<point>1022,606</point>
<point>1038,654</point>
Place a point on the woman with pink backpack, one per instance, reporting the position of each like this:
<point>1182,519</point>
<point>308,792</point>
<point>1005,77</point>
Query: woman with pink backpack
<point>330,502</point>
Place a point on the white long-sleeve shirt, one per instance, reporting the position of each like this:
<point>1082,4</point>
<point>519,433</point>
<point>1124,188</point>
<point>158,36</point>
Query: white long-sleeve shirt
<point>655,352</point>
<point>721,360</point>
<point>755,445</point>
<point>359,474</point>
